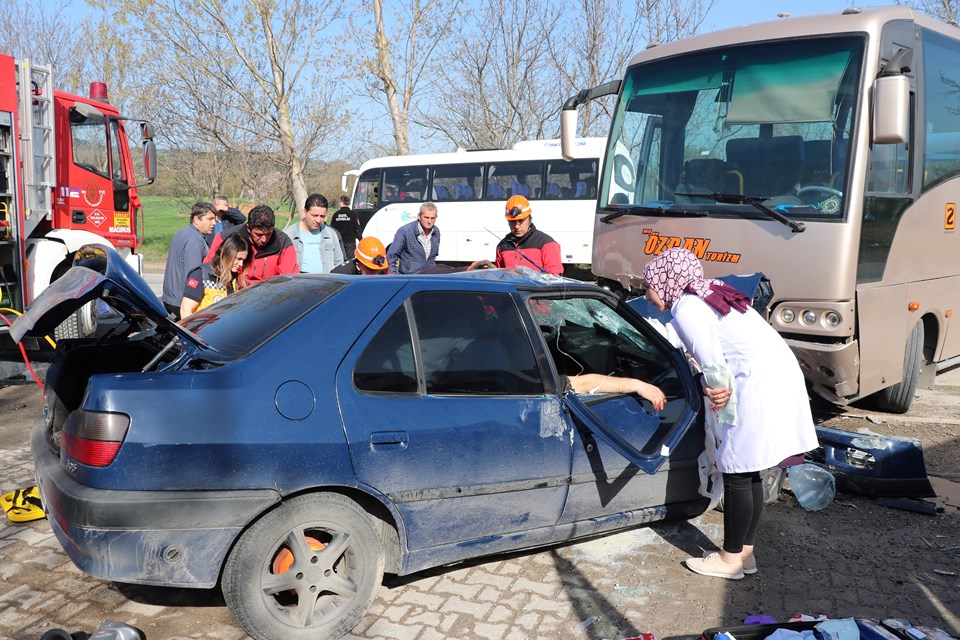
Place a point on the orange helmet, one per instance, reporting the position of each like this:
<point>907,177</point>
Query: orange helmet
<point>518,208</point>
<point>370,252</point>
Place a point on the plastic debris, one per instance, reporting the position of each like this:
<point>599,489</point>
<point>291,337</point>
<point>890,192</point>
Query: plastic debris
<point>814,487</point>
<point>586,623</point>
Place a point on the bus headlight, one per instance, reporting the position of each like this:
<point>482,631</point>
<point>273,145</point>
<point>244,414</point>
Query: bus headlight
<point>808,317</point>
<point>831,319</point>
<point>787,316</point>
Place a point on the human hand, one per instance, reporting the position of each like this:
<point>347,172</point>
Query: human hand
<point>718,396</point>
<point>652,393</point>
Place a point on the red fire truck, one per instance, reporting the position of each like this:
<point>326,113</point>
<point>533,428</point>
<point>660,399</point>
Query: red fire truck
<point>67,178</point>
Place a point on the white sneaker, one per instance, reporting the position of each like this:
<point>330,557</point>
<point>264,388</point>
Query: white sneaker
<point>713,565</point>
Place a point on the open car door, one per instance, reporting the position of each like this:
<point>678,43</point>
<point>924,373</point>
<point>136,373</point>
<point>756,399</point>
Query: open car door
<point>594,333</point>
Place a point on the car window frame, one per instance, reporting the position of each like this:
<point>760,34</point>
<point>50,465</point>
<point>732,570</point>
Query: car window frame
<point>579,405</point>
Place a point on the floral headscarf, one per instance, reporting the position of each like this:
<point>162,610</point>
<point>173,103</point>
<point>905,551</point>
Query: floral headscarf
<point>677,271</point>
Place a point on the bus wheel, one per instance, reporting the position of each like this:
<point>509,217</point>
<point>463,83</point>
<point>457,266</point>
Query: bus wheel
<point>899,397</point>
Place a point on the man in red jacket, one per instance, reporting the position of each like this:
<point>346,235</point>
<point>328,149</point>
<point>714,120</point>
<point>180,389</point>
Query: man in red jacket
<point>273,253</point>
<point>525,245</point>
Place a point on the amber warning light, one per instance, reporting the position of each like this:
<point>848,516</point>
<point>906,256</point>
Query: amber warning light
<point>98,91</point>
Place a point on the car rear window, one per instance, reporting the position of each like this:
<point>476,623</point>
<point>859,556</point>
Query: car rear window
<point>241,323</point>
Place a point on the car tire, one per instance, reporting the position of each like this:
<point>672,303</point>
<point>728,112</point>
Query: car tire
<point>82,323</point>
<point>899,397</point>
<point>321,550</point>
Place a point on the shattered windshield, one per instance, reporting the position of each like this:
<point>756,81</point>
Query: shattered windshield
<point>768,122</point>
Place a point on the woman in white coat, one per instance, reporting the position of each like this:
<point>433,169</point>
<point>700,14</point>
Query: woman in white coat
<point>762,407</point>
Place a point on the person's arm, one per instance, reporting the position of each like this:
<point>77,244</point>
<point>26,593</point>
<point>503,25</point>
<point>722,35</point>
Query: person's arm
<point>194,253</point>
<point>434,247</point>
<point>599,383</point>
<point>287,260</point>
<point>697,326</point>
<point>192,292</point>
<point>393,251</point>
<point>217,241</point>
<point>338,250</point>
<point>552,263</point>
<point>358,232</point>
<point>187,307</point>
<point>232,214</point>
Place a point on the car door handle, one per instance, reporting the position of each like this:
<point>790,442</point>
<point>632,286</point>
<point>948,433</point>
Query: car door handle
<point>389,439</point>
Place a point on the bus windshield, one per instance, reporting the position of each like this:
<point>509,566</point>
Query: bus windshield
<point>715,132</point>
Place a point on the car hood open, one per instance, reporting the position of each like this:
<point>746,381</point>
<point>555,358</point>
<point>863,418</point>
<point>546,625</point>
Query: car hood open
<point>98,272</point>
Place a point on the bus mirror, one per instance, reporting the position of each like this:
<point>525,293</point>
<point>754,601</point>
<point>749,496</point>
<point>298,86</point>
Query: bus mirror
<point>146,131</point>
<point>568,132</point>
<point>891,109</point>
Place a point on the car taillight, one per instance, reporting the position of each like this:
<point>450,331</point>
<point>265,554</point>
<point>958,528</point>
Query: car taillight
<point>94,437</point>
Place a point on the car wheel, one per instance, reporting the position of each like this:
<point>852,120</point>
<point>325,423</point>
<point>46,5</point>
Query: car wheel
<point>308,569</point>
<point>899,397</point>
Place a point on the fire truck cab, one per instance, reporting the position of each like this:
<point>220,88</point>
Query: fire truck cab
<point>67,178</point>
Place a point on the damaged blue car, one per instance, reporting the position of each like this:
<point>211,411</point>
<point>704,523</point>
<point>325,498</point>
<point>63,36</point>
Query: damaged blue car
<point>295,441</point>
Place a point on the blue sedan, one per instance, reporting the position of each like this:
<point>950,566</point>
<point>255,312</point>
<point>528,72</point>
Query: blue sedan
<point>297,440</point>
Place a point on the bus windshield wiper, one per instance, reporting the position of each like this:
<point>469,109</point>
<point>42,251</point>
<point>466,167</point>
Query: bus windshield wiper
<point>642,210</point>
<point>755,202</point>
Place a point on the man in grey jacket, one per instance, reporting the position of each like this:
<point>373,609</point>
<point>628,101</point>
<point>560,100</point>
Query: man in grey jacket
<point>187,249</point>
<point>319,246</point>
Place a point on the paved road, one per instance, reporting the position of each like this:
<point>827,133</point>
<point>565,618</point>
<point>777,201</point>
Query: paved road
<point>852,559</point>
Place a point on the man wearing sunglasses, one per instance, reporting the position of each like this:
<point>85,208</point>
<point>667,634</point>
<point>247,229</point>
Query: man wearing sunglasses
<point>525,245</point>
<point>369,259</point>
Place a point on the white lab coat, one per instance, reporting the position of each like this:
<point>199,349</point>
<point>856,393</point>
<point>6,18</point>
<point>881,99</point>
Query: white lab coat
<point>773,412</point>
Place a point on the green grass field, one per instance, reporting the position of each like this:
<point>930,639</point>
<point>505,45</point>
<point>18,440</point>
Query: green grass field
<point>163,216</point>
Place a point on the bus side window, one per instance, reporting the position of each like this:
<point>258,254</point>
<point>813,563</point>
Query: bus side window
<point>941,123</point>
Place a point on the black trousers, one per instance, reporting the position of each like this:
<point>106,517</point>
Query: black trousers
<point>174,310</point>
<point>742,508</point>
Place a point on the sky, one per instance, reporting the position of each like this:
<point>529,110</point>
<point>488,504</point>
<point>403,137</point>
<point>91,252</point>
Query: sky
<point>732,13</point>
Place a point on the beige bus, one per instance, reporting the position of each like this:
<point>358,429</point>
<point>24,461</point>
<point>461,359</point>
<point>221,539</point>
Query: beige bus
<point>823,151</point>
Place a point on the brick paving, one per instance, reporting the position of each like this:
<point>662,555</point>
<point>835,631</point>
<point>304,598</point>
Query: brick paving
<point>610,587</point>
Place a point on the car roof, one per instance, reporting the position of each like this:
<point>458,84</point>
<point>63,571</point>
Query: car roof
<point>516,278</point>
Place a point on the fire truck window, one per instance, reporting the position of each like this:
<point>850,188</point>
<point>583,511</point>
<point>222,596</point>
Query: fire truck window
<point>115,151</point>
<point>89,136</point>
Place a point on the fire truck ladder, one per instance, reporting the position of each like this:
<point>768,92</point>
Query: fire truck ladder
<point>36,142</point>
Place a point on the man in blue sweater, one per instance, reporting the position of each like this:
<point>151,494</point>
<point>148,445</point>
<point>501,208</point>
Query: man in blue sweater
<point>416,245</point>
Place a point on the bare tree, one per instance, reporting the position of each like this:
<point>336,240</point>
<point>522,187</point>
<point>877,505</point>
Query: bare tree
<point>602,35</point>
<point>520,61</point>
<point>402,57</point>
<point>946,10</point>
<point>242,78</point>
<point>498,87</point>
<point>48,33</point>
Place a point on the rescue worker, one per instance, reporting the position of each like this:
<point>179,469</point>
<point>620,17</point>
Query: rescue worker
<point>525,245</point>
<point>369,259</point>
